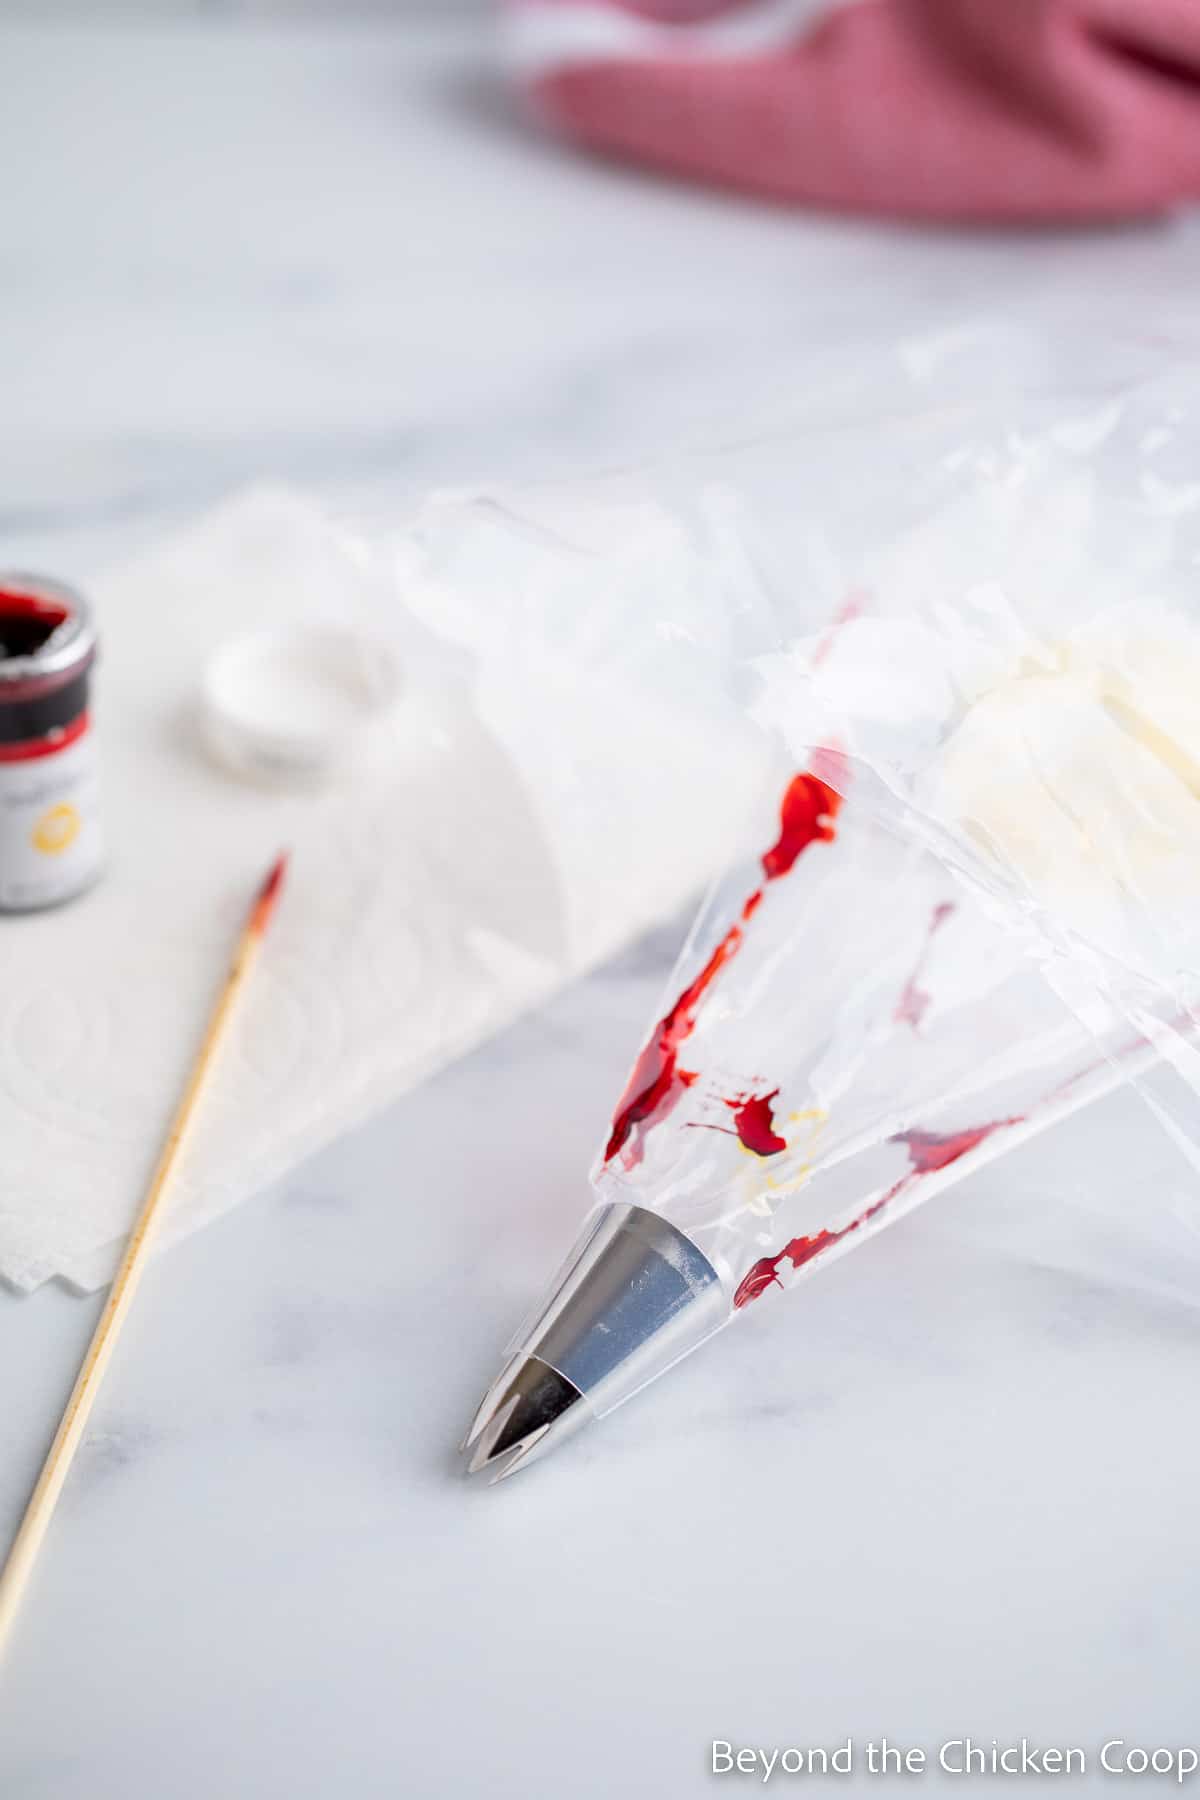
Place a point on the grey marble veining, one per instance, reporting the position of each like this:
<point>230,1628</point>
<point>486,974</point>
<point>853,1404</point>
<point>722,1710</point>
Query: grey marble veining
<point>948,1486</point>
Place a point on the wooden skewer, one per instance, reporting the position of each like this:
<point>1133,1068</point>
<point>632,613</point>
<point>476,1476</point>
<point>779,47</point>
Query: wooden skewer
<point>38,1513</point>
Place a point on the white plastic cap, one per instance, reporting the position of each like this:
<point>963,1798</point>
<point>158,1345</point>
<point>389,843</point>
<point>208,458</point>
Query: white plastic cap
<point>300,705</point>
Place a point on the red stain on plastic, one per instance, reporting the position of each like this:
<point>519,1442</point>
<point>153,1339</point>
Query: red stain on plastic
<point>758,1278</point>
<point>914,1001</point>
<point>754,1119</point>
<point>928,1152</point>
<point>765,1272</point>
<point>657,1079</point>
<point>753,1123</point>
<point>806,816</point>
<point>850,609</point>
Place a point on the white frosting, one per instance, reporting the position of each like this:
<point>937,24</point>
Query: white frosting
<point>1081,772</point>
<point>1071,762</point>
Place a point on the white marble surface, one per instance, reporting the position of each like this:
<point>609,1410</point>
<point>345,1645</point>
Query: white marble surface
<point>940,1490</point>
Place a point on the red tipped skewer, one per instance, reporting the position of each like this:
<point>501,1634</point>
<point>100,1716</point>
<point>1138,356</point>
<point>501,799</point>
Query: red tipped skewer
<point>25,1546</point>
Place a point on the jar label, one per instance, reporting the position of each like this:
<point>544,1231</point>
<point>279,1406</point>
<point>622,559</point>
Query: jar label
<point>50,839</point>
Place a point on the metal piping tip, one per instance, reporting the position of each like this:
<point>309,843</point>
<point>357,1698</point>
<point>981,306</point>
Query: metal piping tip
<point>487,1407</point>
<point>529,1409</point>
<point>634,1295</point>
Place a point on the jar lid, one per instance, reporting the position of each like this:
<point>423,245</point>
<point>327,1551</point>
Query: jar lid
<point>299,705</point>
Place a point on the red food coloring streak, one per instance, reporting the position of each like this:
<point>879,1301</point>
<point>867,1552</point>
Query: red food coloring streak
<point>657,1080</point>
<point>753,1124</point>
<point>27,621</point>
<point>914,1001</point>
<point>754,1120</point>
<point>807,816</point>
<point>928,1151</point>
<point>765,1272</point>
<point>850,609</point>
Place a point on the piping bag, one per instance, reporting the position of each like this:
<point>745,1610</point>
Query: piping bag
<point>973,913</point>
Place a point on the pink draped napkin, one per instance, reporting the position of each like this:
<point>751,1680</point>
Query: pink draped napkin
<point>960,109</point>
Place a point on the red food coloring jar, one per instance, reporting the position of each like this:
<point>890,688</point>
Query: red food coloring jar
<point>51,845</point>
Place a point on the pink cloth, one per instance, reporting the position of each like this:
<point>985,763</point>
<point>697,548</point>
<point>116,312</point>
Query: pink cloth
<point>962,109</point>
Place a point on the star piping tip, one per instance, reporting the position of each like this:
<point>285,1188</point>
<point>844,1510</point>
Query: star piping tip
<point>508,1464</point>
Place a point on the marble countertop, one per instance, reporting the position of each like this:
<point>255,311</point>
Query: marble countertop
<point>946,1489</point>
